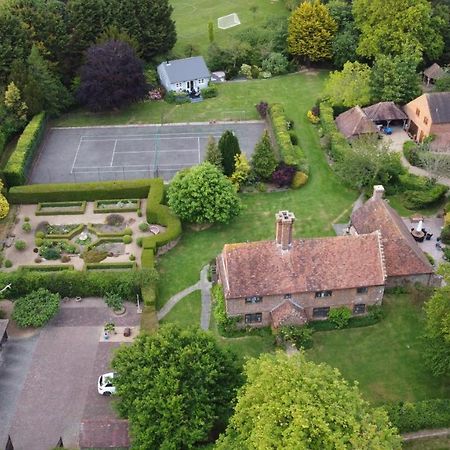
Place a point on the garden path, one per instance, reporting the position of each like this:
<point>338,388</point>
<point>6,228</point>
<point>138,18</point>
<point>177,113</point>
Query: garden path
<point>204,286</point>
<point>425,434</point>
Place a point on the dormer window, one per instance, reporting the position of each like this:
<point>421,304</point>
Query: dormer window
<point>253,299</point>
<point>322,294</point>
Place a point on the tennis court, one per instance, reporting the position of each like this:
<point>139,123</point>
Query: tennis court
<point>126,152</point>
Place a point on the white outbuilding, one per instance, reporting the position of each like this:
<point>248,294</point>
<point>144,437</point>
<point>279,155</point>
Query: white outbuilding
<point>184,75</point>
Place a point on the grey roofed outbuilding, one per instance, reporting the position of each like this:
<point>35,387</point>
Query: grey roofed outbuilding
<point>439,105</point>
<point>186,69</point>
<point>384,111</point>
<point>3,333</point>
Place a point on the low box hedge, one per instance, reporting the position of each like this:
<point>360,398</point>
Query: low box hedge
<point>48,268</point>
<point>68,235</point>
<point>101,234</point>
<point>58,208</point>
<point>292,155</point>
<point>114,209</point>
<point>92,191</point>
<point>110,266</point>
<point>147,258</point>
<point>104,240</point>
<point>16,169</point>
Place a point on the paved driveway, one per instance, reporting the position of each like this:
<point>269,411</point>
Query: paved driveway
<point>60,385</point>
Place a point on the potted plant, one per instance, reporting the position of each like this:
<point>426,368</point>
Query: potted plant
<point>115,302</point>
<point>110,327</point>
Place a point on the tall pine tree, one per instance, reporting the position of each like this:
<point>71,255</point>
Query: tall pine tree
<point>229,147</point>
<point>263,159</point>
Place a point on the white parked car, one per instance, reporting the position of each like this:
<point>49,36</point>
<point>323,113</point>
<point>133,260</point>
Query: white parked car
<point>105,384</point>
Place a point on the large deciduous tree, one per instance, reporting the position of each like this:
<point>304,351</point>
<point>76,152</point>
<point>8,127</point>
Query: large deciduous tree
<point>202,194</point>
<point>174,386</point>
<point>149,22</point>
<point>289,403</point>
<point>350,86</point>
<point>310,32</point>
<point>394,78</point>
<point>112,77</point>
<point>229,148</point>
<point>392,27</point>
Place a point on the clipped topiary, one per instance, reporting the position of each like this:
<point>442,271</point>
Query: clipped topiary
<point>127,239</point>
<point>299,180</point>
<point>20,245</point>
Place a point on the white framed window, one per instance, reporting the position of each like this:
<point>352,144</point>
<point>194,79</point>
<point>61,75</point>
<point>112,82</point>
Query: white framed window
<point>359,308</point>
<point>253,299</point>
<point>322,294</point>
<point>253,318</point>
<point>362,290</point>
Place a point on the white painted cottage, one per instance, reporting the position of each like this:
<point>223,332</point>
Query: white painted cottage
<point>184,75</point>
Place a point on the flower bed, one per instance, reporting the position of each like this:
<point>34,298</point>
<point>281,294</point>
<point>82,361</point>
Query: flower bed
<point>94,228</point>
<point>63,231</point>
<point>60,208</point>
<point>111,206</point>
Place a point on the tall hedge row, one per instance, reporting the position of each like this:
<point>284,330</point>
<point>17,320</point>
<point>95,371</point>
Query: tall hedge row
<point>101,190</point>
<point>16,169</point>
<point>338,145</point>
<point>292,155</point>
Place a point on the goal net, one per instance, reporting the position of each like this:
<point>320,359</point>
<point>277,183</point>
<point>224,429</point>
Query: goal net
<point>229,21</point>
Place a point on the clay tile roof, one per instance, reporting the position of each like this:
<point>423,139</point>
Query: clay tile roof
<point>354,122</point>
<point>439,106</point>
<point>384,111</point>
<point>402,254</point>
<point>435,71</point>
<point>287,310</point>
<point>262,268</point>
<point>104,433</point>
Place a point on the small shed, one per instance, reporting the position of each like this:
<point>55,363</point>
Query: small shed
<point>3,333</point>
<point>104,433</point>
<point>184,75</point>
<point>354,123</point>
<point>385,113</point>
<point>433,73</point>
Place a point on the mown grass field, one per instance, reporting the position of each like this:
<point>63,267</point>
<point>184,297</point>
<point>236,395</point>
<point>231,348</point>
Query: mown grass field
<point>386,358</point>
<point>191,19</point>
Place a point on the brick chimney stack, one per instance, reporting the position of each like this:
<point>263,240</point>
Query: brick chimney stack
<point>285,224</point>
<point>378,192</point>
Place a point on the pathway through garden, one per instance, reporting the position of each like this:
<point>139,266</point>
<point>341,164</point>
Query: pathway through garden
<point>204,286</point>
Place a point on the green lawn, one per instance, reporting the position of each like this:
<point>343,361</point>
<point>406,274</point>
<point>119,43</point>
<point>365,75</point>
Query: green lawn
<point>192,19</point>
<point>386,359</point>
<point>236,100</point>
<point>186,312</point>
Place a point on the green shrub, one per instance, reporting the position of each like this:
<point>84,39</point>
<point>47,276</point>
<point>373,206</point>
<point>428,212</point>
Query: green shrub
<point>128,231</point>
<point>290,154</point>
<point>20,245</point>
<point>50,253</point>
<point>132,258</point>
<point>340,316</point>
<point>26,227</point>
<point>430,259</point>
<point>425,414</point>
<point>36,308</point>
<point>94,256</point>
<point>8,263</point>
<point>139,213</point>
<point>293,137</point>
<point>40,235</point>
<point>225,324</point>
<point>47,268</point>
<point>144,226</point>
<point>114,301</point>
<point>127,239</point>
<point>176,97</point>
<point>38,241</point>
<point>16,169</point>
<point>410,151</point>
<point>111,266</point>
<point>26,219</point>
<point>445,235</point>
<point>139,241</point>
<point>338,145</point>
<point>209,92</point>
<point>423,199</point>
<point>67,192</point>
<point>299,180</point>
<point>147,259</point>
<point>300,336</point>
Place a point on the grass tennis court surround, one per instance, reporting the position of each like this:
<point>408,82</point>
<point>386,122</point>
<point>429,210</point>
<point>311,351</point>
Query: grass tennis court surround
<point>128,152</point>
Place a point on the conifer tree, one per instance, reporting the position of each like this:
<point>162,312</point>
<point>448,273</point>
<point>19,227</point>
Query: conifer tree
<point>229,147</point>
<point>213,154</point>
<point>263,159</point>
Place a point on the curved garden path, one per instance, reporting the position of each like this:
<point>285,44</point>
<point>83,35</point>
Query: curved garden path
<point>204,286</point>
<point>426,434</point>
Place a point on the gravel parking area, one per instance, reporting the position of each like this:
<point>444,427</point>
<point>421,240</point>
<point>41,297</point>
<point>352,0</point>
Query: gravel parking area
<point>60,386</point>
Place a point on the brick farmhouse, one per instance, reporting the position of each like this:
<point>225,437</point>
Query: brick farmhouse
<point>291,281</point>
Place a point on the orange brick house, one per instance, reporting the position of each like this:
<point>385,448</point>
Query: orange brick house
<point>291,281</point>
<point>428,115</point>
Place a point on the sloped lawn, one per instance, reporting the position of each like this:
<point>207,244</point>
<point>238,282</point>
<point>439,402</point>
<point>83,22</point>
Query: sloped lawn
<point>386,359</point>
